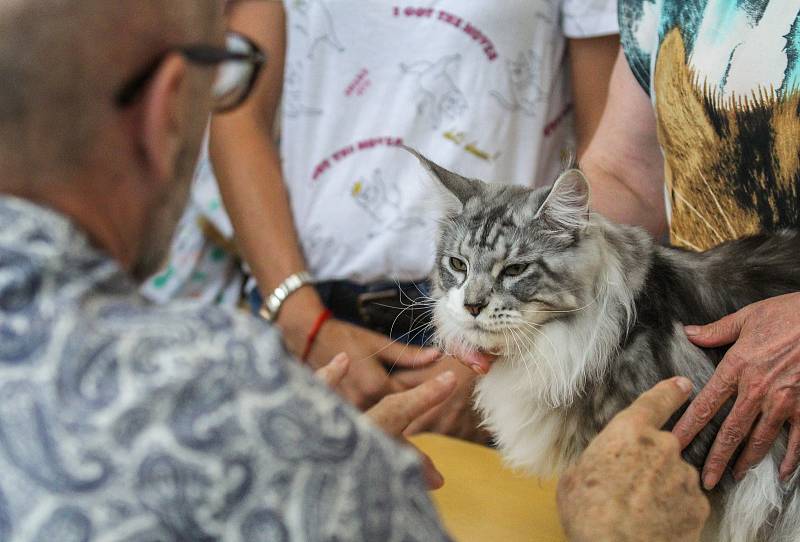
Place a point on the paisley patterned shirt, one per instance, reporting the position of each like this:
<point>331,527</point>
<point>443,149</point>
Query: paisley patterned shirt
<point>121,421</point>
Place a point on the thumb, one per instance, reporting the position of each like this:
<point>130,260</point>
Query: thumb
<point>394,413</point>
<point>659,403</point>
<point>719,333</point>
<point>397,354</point>
<point>333,373</point>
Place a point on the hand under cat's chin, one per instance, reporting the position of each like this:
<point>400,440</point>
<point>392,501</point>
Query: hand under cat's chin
<point>478,359</point>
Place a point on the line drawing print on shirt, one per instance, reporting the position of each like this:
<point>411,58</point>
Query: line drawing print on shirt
<point>381,201</point>
<point>550,16</point>
<point>525,90</point>
<point>322,31</point>
<point>439,97</point>
<point>317,241</point>
<point>293,103</point>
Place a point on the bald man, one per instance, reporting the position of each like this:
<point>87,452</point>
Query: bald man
<point>120,421</point>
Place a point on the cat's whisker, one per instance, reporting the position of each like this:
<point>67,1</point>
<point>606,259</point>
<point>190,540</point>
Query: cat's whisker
<point>394,322</point>
<point>536,329</point>
<point>522,356</point>
<point>392,342</point>
<point>408,343</point>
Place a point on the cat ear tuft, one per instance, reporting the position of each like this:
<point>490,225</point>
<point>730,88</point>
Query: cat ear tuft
<point>462,188</point>
<point>567,205</point>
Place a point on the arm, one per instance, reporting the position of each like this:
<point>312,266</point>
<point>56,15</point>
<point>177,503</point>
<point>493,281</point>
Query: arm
<point>248,168</point>
<point>591,62</point>
<point>623,161</point>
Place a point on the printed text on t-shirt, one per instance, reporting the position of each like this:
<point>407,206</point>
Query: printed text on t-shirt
<point>446,17</point>
<point>344,152</point>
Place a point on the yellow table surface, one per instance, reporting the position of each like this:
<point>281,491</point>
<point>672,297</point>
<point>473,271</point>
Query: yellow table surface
<point>483,501</point>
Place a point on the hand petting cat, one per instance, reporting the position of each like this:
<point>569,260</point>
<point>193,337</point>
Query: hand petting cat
<point>631,483</point>
<point>761,370</point>
<point>396,412</point>
<point>409,366</point>
<point>456,416</point>
<point>372,354</point>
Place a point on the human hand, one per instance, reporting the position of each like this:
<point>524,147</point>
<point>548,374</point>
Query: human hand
<point>395,412</point>
<point>370,353</point>
<point>455,416</point>
<point>762,370</point>
<point>631,483</point>
<point>478,362</point>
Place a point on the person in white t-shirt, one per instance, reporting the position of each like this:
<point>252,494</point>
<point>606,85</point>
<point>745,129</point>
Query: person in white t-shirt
<point>336,220</point>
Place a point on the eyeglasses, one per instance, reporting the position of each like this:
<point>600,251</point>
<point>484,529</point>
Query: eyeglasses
<point>238,66</point>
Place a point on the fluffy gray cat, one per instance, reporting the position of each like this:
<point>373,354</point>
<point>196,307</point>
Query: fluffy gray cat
<point>588,314</point>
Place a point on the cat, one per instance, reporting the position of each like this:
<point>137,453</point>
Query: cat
<point>585,315</point>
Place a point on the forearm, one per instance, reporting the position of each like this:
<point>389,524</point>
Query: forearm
<point>591,64</point>
<point>623,162</point>
<point>614,197</point>
<point>251,182</point>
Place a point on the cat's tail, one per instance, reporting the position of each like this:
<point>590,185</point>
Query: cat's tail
<point>761,507</point>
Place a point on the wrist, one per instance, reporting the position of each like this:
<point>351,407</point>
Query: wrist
<point>297,317</point>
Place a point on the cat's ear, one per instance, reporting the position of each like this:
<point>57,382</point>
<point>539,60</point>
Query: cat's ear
<point>567,205</point>
<point>462,188</point>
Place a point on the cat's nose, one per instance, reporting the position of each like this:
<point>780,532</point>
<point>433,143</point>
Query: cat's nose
<point>474,308</point>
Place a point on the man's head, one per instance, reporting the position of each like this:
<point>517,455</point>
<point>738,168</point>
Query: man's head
<point>122,172</point>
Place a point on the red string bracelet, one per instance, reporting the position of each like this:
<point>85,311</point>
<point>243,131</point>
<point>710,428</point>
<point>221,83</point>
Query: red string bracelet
<point>312,335</point>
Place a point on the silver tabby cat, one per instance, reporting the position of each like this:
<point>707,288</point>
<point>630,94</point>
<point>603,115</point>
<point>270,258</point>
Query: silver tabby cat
<point>586,315</point>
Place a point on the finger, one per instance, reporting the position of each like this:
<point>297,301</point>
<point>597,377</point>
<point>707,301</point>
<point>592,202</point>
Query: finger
<point>792,457</point>
<point>759,443</point>
<point>333,373</point>
<point>719,388</point>
<point>479,362</point>
<point>423,423</point>
<point>656,405</point>
<point>719,333</point>
<point>397,354</point>
<point>733,431</point>
<point>433,477</point>
<point>395,413</point>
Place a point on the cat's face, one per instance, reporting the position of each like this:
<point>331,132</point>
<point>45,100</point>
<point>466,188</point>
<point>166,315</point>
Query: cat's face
<point>509,259</point>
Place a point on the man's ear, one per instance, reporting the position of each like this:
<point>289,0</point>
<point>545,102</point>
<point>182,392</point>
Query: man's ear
<point>567,205</point>
<point>162,120</point>
<point>462,188</point>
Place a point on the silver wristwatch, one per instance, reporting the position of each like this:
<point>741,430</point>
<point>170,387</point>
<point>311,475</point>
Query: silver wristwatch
<point>272,304</point>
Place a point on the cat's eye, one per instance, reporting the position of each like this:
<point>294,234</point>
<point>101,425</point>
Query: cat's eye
<point>458,265</point>
<point>514,270</point>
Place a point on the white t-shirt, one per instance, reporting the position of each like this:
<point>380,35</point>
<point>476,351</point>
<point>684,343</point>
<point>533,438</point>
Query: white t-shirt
<point>479,86</point>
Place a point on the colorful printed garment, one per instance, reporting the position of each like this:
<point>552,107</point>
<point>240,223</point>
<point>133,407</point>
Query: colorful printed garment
<point>723,77</point>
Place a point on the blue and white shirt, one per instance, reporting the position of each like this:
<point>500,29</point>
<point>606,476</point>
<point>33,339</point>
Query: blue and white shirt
<point>121,421</point>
